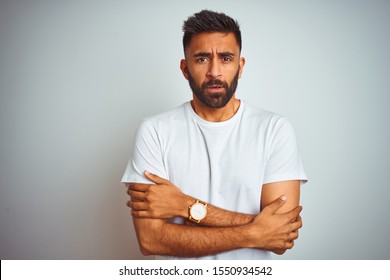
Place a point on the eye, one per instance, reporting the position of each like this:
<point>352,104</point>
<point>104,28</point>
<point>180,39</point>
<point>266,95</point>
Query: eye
<point>227,59</point>
<point>202,60</point>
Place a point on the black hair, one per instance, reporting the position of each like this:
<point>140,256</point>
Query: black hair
<point>209,21</point>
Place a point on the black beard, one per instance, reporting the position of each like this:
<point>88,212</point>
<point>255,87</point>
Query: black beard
<point>216,100</point>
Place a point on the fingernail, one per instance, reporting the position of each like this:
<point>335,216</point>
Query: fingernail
<point>147,172</point>
<point>283,197</point>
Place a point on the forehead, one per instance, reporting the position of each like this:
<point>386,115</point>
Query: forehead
<point>213,41</point>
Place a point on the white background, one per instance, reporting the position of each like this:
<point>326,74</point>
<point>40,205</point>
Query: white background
<point>76,78</point>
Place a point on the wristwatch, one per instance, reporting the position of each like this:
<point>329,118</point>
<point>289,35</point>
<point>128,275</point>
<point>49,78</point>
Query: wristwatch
<point>197,211</point>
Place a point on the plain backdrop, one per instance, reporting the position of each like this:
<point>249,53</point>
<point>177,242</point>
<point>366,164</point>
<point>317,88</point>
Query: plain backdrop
<point>76,78</point>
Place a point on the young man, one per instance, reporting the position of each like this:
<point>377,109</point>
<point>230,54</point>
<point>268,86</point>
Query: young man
<point>215,178</point>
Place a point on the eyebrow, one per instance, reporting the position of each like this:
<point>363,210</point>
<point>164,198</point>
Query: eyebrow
<point>208,54</point>
<point>202,54</point>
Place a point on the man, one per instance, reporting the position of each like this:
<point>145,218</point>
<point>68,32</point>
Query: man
<point>215,178</point>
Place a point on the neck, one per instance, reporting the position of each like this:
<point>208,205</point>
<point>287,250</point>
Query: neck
<point>216,114</point>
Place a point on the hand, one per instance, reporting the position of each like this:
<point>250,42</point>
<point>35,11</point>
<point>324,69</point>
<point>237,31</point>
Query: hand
<point>282,251</point>
<point>158,201</point>
<point>276,232</point>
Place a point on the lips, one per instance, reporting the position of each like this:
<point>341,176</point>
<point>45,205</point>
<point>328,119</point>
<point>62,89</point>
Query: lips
<point>214,86</point>
<point>216,89</point>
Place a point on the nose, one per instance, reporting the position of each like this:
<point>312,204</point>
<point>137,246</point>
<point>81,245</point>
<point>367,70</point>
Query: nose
<point>214,70</point>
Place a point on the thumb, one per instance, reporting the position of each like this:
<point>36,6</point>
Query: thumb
<point>154,178</point>
<point>276,204</point>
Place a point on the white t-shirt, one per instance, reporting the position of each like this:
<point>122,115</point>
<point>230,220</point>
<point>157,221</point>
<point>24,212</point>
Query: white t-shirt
<point>222,163</point>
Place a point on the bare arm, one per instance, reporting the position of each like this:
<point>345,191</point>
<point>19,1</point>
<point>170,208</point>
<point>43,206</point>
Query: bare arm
<point>271,191</point>
<point>218,217</point>
<point>158,237</point>
<point>268,230</point>
<point>165,200</point>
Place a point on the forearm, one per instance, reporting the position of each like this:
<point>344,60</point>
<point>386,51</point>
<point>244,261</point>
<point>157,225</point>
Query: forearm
<point>267,231</point>
<point>165,200</point>
<point>221,230</point>
<point>217,217</point>
<point>157,237</point>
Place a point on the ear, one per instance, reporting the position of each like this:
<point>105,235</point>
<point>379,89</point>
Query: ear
<point>242,63</point>
<point>184,68</point>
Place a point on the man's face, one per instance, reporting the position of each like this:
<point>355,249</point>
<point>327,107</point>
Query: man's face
<point>213,67</point>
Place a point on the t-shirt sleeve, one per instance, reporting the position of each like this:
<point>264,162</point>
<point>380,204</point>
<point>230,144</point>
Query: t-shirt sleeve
<point>147,155</point>
<point>283,160</point>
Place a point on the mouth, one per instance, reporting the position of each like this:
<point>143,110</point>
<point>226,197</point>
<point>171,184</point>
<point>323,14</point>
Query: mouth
<point>215,88</point>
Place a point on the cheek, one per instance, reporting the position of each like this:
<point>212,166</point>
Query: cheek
<point>198,76</point>
<point>231,70</point>
<point>198,72</point>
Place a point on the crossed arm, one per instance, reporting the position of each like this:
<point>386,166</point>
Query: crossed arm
<point>275,228</point>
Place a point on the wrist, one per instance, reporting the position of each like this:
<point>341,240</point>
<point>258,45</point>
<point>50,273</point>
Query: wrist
<point>186,202</point>
<point>251,236</point>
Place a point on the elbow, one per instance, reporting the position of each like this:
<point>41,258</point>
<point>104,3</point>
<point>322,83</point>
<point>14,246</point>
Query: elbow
<point>149,242</point>
<point>149,235</point>
<point>143,246</point>
<point>145,251</point>
<point>146,246</point>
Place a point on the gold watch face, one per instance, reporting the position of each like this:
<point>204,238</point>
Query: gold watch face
<point>198,211</point>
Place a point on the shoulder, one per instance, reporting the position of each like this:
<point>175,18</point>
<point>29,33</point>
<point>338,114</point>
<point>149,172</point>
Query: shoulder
<point>270,126</point>
<point>165,118</point>
<point>163,122</point>
<point>267,119</point>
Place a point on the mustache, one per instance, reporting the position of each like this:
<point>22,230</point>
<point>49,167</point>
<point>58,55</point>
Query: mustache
<point>215,82</point>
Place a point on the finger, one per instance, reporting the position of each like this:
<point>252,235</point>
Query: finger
<point>139,214</point>
<point>137,206</point>
<point>295,226</point>
<point>297,219</point>
<point>289,244</point>
<point>300,220</point>
<point>155,179</point>
<point>134,195</point>
<point>293,214</point>
<point>276,204</point>
<point>138,187</point>
<point>293,235</point>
